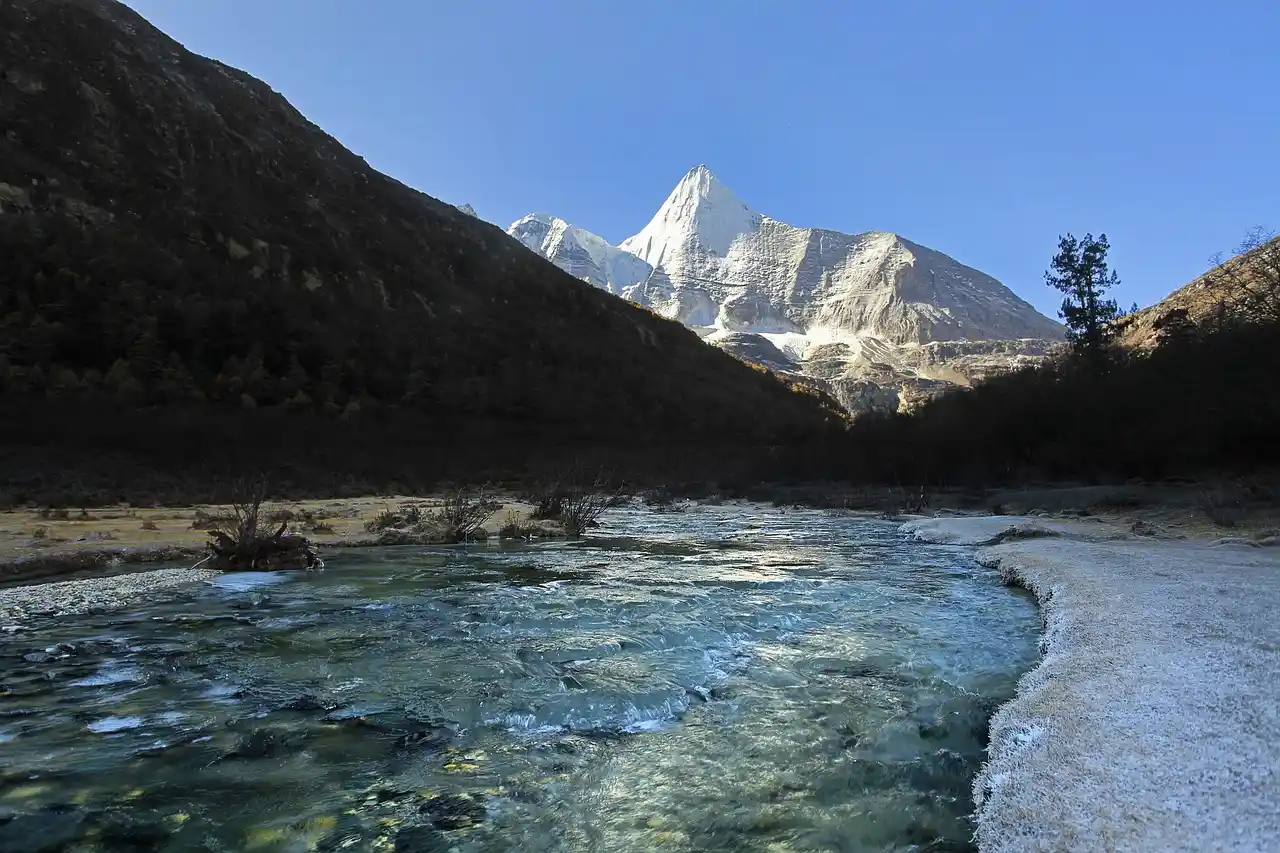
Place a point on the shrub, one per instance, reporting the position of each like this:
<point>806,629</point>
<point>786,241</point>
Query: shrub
<point>548,500</point>
<point>461,516</point>
<point>513,527</point>
<point>582,510</point>
<point>150,525</point>
<point>406,515</point>
<point>238,542</point>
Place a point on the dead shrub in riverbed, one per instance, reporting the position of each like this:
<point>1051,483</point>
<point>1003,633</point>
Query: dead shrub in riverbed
<point>514,527</point>
<point>460,517</point>
<point>238,541</point>
<point>407,515</point>
<point>575,498</point>
<point>547,499</point>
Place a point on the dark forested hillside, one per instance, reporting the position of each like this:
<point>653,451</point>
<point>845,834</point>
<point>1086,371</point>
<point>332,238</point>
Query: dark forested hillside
<point>175,235</point>
<point>1205,402</point>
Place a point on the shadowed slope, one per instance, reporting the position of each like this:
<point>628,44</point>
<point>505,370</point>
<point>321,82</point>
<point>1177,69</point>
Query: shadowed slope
<point>175,233</point>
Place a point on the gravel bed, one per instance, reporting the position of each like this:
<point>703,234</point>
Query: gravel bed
<point>82,596</point>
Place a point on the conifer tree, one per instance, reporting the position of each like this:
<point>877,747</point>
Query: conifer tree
<point>1080,271</point>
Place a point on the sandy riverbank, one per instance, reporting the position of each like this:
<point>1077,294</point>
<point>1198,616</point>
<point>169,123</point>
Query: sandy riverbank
<point>48,545</point>
<point>58,564</point>
<point>1152,722</point>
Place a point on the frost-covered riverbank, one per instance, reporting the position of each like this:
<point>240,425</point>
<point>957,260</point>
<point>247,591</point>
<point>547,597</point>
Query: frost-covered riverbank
<point>1153,721</point>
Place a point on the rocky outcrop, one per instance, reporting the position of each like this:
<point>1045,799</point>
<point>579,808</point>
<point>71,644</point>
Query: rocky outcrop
<point>1247,285</point>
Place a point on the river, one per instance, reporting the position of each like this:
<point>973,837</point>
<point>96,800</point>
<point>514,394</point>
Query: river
<point>727,678</point>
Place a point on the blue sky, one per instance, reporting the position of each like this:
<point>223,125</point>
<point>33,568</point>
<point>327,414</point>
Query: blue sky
<point>982,129</point>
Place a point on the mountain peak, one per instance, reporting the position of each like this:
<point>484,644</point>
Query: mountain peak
<point>579,252</point>
<point>700,213</point>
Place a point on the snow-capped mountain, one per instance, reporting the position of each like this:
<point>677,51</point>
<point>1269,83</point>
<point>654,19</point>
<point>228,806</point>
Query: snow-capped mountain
<point>581,253</point>
<point>848,309</point>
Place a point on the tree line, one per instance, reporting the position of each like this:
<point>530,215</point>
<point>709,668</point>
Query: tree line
<point>1206,397</point>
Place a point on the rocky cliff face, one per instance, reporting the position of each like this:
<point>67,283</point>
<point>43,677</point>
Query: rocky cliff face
<point>876,304</point>
<point>174,231</point>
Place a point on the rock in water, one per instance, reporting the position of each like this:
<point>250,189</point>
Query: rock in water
<point>454,811</point>
<point>420,839</point>
<point>264,743</point>
<point>133,833</point>
<point>51,830</point>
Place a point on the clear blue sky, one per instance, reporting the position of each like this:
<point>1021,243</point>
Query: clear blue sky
<point>982,129</point>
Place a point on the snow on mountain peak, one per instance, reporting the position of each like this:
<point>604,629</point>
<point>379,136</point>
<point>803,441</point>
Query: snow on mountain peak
<point>579,252</point>
<point>701,215</point>
<point>856,311</point>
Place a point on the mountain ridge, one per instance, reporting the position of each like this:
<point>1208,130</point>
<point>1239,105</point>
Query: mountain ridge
<point>176,233</point>
<point>720,267</point>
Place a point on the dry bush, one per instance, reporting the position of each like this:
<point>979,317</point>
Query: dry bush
<point>150,525</point>
<point>462,515</point>
<point>407,515</point>
<point>576,498</point>
<point>238,541</point>
<point>582,511</point>
<point>459,518</point>
<point>1251,278</point>
<point>514,527</point>
<point>547,499</point>
<point>586,499</point>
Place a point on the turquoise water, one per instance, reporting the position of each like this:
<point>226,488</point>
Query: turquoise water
<point>730,678</point>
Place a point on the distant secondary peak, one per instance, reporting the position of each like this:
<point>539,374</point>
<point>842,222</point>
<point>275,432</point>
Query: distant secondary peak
<point>544,218</point>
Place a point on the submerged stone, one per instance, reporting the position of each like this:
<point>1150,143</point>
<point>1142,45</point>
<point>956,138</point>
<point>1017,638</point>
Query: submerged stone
<point>453,811</point>
<point>127,832</point>
<point>347,832</point>
<point>50,830</point>
<point>265,743</point>
<point>309,702</point>
<point>420,839</point>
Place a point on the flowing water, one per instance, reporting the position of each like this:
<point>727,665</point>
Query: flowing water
<point>730,678</point>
